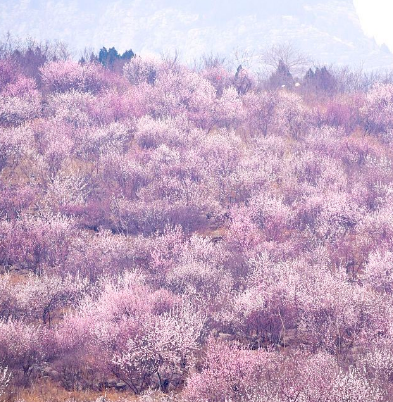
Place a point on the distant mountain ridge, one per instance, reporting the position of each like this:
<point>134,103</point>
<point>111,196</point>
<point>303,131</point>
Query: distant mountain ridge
<point>329,31</point>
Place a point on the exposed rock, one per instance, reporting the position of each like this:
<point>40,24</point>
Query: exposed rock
<point>226,337</point>
<point>111,383</point>
<point>121,386</point>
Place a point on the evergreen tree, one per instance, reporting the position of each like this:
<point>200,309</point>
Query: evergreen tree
<point>282,77</point>
<point>128,55</point>
<point>103,56</point>
<point>109,58</point>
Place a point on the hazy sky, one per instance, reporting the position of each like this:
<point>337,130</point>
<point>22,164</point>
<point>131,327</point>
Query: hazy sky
<point>333,31</point>
<point>376,19</point>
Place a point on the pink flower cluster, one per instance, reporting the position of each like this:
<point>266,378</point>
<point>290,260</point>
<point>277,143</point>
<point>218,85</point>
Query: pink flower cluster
<point>191,232</point>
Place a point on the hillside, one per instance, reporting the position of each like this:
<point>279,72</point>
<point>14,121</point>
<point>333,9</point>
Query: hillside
<point>194,235</point>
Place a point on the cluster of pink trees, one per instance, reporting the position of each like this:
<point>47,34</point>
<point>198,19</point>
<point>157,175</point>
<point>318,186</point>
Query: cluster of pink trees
<point>191,232</point>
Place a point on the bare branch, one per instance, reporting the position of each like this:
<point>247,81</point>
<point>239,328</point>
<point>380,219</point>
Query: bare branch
<point>287,54</point>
